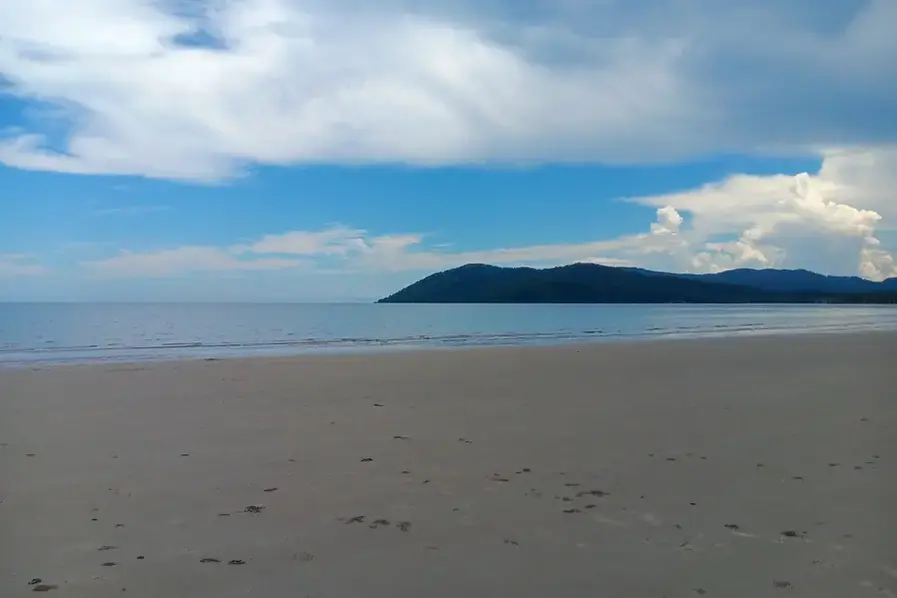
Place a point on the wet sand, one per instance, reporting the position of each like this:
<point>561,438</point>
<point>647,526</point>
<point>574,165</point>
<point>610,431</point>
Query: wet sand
<point>741,467</point>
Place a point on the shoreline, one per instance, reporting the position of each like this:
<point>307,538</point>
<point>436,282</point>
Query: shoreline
<point>739,467</point>
<point>270,352</point>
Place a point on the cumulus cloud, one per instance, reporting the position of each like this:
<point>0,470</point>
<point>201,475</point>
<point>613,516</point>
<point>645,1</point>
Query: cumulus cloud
<point>793,221</point>
<point>199,90</point>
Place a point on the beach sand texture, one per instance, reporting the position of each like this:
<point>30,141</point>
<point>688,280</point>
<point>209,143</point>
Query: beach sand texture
<point>734,467</point>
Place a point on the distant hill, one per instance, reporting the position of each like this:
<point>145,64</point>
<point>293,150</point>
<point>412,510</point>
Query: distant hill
<point>593,283</point>
<point>798,280</point>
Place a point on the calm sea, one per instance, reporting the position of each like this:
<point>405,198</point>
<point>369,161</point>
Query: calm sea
<point>65,333</point>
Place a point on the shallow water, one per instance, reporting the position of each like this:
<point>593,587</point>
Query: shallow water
<point>66,333</point>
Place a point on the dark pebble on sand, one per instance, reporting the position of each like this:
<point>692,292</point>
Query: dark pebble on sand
<point>185,454</point>
<point>35,581</point>
<point>671,458</point>
<point>236,562</point>
<point>732,526</point>
<point>366,460</point>
<point>526,470</point>
<point>270,490</point>
<point>109,564</point>
<point>571,511</point>
<point>107,547</point>
<point>404,526</point>
<point>356,519</point>
<point>44,587</point>
<point>209,560</point>
<point>254,509</point>
<point>782,585</point>
<point>378,405</point>
<point>119,525</point>
<point>512,542</point>
<point>399,437</point>
<point>29,454</point>
<point>94,519</point>
<point>140,558</point>
<point>791,534</point>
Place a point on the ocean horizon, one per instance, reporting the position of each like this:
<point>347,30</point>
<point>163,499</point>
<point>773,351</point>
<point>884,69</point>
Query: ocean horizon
<point>65,333</point>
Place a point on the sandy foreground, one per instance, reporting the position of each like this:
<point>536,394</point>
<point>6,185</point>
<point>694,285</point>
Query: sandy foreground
<point>741,467</point>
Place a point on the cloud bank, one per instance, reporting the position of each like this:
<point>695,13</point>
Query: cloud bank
<point>201,90</point>
<point>743,221</point>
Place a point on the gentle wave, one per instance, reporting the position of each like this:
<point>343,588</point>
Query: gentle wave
<point>118,352</point>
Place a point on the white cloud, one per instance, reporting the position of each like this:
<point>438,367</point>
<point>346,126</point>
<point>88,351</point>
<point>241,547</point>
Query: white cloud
<point>337,240</point>
<point>18,265</point>
<point>801,221</point>
<point>436,82</point>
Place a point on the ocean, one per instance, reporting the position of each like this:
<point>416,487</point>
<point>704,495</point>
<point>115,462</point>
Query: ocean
<point>56,333</point>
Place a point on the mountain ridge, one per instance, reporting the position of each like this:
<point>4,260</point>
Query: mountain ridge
<point>595,283</point>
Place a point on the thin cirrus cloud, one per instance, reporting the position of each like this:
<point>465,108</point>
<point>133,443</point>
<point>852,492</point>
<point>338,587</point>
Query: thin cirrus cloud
<point>20,265</point>
<point>154,89</point>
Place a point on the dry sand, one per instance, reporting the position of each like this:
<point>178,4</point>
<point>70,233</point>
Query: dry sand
<point>661,469</point>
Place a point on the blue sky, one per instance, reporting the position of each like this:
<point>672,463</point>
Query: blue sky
<point>283,150</point>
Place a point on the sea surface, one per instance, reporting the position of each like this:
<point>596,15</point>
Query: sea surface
<point>47,333</point>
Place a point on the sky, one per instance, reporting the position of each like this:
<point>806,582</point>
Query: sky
<point>337,150</point>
